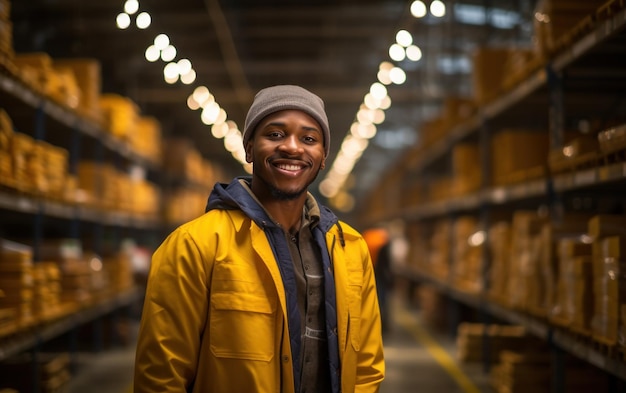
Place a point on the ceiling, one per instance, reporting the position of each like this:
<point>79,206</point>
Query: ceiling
<point>237,47</point>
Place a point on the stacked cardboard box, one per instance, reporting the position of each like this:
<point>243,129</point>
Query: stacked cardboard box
<point>488,73</point>
<point>574,298</point>
<point>499,242</point>
<point>182,158</point>
<point>120,115</point>
<point>525,251</point>
<point>146,199</point>
<point>609,281</point>
<point>55,162</point>
<point>556,19</point>
<point>75,276</point>
<point>520,63</point>
<point>47,289</point>
<point>146,138</point>
<point>441,188</point>
<point>612,140</point>
<point>6,30</point>
<point>579,152</point>
<point>8,318</point>
<point>17,281</point>
<point>440,253</point>
<point>466,169</point>
<point>22,148</point>
<point>53,372</point>
<point>532,371</point>
<point>518,155</point>
<point>99,182</point>
<point>467,255</point>
<point>543,290</point>
<point>6,157</point>
<point>119,270</point>
<point>418,250</point>
<point>184,204</point>
<point>88,78</point>
<point>477,342</point>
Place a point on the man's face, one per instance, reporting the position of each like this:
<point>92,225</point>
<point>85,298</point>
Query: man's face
<point>287,153</point>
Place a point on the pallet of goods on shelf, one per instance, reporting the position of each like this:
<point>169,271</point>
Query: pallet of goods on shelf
<point>520,63</point>
<point>438,255</point>
<point>119,114</point>
<point>6,34</point>
<point>558,23</point>
<point>105,187</point>
<point>488,72</point>
<point>29,165</point>
<point>473,339</point>
<point>88,76</point>
<point>609,281</point>
<point>518,155</point>
<point>521,279</point>
<point>466,175</point>
<point>146,139</point>
<point>612,142</point>
<point>466,269</point>
<point>17,281</point>
<point>499,243</point>
<point>6,161</point>
<point>543,293</point>
<point>573,304</point>
<point>532,370</point>
<point>38,71</point>
<point>579,152</point>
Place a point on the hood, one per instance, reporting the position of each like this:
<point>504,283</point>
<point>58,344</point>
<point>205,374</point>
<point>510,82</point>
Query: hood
<point>234,196</point>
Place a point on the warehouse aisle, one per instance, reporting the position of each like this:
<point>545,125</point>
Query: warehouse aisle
<point>418,360</point>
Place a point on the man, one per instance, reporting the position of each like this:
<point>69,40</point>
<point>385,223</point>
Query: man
<point>268,291</point>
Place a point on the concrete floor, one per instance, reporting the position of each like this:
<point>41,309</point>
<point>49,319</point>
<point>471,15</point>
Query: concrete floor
<point>418,360</point>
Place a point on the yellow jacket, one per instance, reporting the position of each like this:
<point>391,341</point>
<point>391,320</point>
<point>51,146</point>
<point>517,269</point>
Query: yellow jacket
<point>214,318</point>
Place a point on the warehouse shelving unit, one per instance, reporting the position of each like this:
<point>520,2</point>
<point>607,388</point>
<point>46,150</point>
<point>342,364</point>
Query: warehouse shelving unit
<point>35,216</point>
<point>585,77</point>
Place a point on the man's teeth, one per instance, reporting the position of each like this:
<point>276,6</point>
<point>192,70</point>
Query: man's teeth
<point>289,167</point>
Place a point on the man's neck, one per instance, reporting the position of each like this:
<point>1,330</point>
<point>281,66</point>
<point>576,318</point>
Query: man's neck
<point>287,213</point>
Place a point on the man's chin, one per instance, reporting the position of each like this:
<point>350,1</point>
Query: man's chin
<point>285,195</point>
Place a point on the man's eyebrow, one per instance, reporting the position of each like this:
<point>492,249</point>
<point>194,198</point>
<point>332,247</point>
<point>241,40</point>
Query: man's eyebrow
<point>282,124</point>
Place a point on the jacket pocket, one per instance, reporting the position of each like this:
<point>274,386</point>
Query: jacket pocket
<point>355,287</point>
<point>242,326</point>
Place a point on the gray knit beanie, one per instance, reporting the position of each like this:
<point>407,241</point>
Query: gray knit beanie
<point>278,98</point>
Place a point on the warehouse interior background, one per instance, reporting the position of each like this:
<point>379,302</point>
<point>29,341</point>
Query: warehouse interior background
<point>487,137</point>
<point>335,49</point>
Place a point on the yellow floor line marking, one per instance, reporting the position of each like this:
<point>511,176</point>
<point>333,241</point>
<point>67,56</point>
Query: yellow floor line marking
<point>436,351</point>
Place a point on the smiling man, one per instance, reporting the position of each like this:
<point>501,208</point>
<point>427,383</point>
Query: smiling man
<point>267,291</point>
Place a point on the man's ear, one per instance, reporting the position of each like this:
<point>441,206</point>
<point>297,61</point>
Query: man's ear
<point>323,163</point>
<point>249,155</point>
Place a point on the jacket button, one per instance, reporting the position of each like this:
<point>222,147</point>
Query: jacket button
<point>285,359</point>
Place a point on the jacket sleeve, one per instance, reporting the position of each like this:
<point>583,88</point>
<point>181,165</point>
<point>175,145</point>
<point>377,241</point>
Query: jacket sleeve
<point>370,360</point>
<point>174,314</point>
